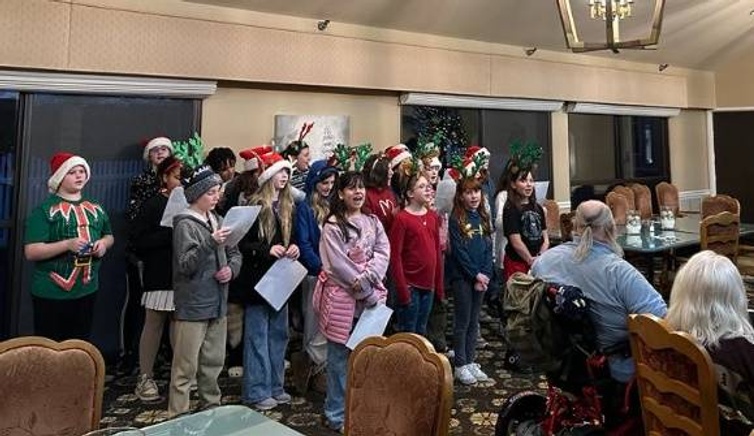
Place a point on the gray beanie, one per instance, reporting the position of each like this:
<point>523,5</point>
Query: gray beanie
<point>202,179</point>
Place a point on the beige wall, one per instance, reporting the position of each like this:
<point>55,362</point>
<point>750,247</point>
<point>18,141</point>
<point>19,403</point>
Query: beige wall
<point>240,118</point>
<point>688,150</point>
<point>173,38</point>
<point>733,82</point>
<point>181,39</point>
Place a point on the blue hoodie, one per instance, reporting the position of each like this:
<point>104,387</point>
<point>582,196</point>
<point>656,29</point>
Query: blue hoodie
<point>307,232</point>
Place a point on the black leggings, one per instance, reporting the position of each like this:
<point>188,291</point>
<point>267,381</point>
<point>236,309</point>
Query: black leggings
<point>64,319</point>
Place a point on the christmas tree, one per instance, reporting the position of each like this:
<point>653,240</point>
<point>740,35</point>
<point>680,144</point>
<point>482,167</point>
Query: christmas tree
<point>444,127</point>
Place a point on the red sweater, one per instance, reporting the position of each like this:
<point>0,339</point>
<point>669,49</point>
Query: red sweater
<point>415,255</point>
<point>382,203</point>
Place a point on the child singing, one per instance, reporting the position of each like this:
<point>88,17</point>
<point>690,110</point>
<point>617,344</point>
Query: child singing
<point>355,254</point>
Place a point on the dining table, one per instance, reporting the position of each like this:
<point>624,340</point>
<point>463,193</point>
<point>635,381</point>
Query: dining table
<point>228,420</point>
<point>652,240</point>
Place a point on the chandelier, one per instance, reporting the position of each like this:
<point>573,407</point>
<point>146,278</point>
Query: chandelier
<point>613,13</point>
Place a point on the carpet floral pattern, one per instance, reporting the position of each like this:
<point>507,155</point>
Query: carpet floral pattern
<point>474,412</point>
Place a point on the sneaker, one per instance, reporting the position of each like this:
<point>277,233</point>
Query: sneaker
<point>266,404</point>
<point>194,385</point>
<point>283,398</point>
<point>513,363</point>
<point>450,354</point>
<point>476,372</point>
<point>463,375</point>
<point>235,372</point>
<point>146,389</point>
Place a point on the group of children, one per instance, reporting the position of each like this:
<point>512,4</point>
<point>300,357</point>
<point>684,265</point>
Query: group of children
<point>368,231</point>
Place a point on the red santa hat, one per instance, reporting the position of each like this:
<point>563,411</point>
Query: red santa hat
<point>471,154</point>
<point>60,164</point>
<point>252,156</point>
<point>157,142</point>
<point>271,163</point>
<point>397,154</point>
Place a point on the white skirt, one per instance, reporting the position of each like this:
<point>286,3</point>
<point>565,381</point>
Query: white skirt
<point>158,300</point>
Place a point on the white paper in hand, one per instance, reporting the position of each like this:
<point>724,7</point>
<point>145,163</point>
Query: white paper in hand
<point>372,322</point>
<point>176,204</point>
<point>280,281</point>
<point>446,190</point>
<point>239,220</point>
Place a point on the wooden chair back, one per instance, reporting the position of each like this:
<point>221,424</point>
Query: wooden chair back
<point>566,226</point>
<point>54,387</point>
<point>553,213</point>
<point>398,385</point>
<point>715,204</point>
<point>667,196</point>
<point>618,204</point>
<point>628,193</point>
<point>720,233</point>
<point>643,199</point>
<point>676,378</point>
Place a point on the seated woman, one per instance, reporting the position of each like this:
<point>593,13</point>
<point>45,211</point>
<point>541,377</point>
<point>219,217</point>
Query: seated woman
<point>708,300</point>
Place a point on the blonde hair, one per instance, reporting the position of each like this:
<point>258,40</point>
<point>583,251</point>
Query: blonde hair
<point>708,300</point>
<point>320,206</point>
<point>594,217</point>
<point>267,225</point>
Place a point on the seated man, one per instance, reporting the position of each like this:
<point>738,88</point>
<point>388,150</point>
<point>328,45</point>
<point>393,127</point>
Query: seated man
<point>593,262</point>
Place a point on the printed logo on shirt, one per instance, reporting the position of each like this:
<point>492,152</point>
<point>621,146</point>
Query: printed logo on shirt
<point>531,226</point>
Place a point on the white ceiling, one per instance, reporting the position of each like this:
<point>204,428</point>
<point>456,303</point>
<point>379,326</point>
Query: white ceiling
<point>696,33</point>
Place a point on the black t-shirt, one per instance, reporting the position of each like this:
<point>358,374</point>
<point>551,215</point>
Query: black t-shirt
<point>528,222</point>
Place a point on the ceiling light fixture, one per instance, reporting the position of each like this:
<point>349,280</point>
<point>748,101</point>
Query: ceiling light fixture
<point>322,25</point>
<point>662,67</point>
<point>613,13</point>
<point>530,51</point>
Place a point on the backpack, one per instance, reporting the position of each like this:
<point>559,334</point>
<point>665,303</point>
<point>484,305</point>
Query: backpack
<point>543,319</point>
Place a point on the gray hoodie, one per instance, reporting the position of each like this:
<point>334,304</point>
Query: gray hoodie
<point>196,259</point>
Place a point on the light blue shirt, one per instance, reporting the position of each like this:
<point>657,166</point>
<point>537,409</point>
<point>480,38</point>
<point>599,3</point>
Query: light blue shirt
<point>615,288</point>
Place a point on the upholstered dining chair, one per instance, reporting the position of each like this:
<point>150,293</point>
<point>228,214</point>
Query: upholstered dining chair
<point>566,226</point>
<point>50,387</point>
<point>676,379</point>
<point>618,204</point>
<point>553,213</point>
<point>720,233</point>
<point>714,204</point>
<point>398,385</point>
<point>628,193</point>
<point>643,200</point>
<point>667,196</point>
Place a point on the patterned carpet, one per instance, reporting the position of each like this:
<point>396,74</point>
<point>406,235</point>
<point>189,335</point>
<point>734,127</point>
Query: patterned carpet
<point>474,412</point>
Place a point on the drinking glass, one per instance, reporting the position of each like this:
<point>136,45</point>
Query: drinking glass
<point>633,222</point>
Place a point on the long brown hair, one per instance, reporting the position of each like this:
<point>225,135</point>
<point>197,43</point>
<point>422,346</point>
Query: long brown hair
<point>459,209</point>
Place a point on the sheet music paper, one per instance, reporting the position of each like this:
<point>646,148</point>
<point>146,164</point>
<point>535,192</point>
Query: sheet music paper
<point>280,281</point>
<point>541,189</point>
<point>239,220</point>
<point>372,322</point>
<point>176,204</point>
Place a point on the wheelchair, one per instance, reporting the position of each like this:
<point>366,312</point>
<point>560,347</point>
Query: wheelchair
<point>581,397</point>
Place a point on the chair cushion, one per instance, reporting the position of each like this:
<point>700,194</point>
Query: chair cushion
<point>395,392</point>
<point>46,391</point>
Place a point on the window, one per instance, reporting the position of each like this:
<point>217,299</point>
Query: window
<point>607,149</point>
<point>494,129</point>
<point>9,106</point>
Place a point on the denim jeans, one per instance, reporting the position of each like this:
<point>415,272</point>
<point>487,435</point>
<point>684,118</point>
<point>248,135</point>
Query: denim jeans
<point>413,317</point>
<point>337,367</point>
<point>466,305</point>
<point>265,340</point>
